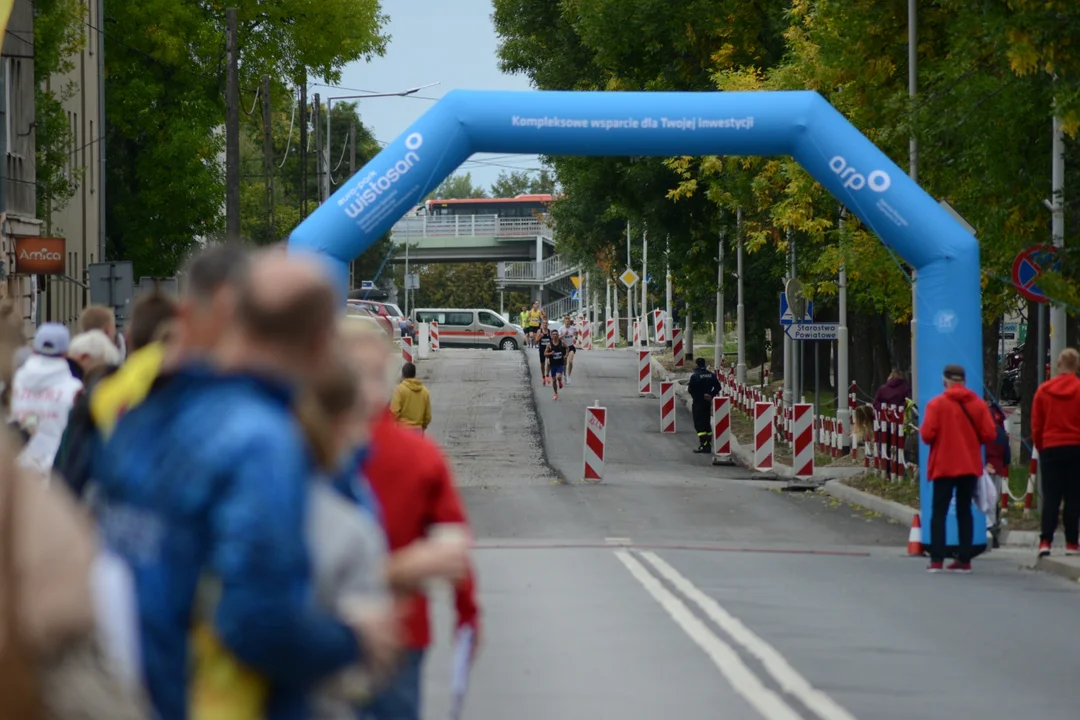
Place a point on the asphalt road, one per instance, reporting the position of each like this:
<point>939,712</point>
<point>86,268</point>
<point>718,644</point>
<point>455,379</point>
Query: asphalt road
<point>677,589</point>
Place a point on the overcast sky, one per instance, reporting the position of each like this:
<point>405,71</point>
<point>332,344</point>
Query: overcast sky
<point>449,42</point>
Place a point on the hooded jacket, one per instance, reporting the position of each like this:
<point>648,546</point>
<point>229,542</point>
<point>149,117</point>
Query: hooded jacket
<point>210,474</point>
<point>895,391</point>
<point>1055,413</point>
<point>411,404</point>
<point>414,496</point>
<point>956,426</point>
<point>43,392</point>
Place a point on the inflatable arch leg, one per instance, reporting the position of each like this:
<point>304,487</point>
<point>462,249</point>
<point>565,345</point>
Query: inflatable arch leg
<point>800,124</point>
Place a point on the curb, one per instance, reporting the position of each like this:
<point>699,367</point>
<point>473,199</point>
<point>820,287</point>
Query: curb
<point>1068,568</point>
<point>892,510</point>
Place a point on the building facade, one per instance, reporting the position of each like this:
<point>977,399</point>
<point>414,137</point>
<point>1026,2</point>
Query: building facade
<point>18,196</point>
<point>78,221</point>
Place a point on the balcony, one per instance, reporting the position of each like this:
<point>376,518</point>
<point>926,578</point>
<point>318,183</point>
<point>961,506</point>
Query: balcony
<point>544,272</point>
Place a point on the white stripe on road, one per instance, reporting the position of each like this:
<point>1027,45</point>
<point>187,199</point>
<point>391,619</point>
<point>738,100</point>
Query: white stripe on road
<point>770,705</point>
<point>789,679</point>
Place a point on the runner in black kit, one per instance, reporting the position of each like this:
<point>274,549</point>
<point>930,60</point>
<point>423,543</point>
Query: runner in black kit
<point>569,334</point>
<point>543,340</point>
<point>556,355</point>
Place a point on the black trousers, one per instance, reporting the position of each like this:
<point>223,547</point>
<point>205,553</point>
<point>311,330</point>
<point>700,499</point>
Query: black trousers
<point>964,487</point>
<point>1061,482</point>
<point>702,411</point>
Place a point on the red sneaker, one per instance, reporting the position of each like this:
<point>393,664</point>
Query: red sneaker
<point>1072,548</point>
<point>960,567</point>
<point>556,396</point>
<point>1044,548</point>
<point>935,567</point>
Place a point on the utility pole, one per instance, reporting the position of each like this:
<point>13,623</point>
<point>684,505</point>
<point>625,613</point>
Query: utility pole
<point>352,149</point>
<point>629,294</point>
<point>326,158</point>
<point>913,158</point>
<point>1057,208</point>
<point>268,156</point>
<point>843,411</point>
<point>232,128</point>
<point>320,168</point>
<point>718,336</point>
<point>303,147</point>
<point>667,294</point>
<point>645,286</point>
<point>740,316</point>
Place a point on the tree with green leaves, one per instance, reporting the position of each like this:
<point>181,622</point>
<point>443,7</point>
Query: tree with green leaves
<point>165,105</point>
<point>521,182</point>
<point>59,35</point>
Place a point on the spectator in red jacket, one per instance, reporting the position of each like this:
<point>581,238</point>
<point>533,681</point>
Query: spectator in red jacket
<point>956,425</point>
<point>415,491</point>
<point>1055,431</point>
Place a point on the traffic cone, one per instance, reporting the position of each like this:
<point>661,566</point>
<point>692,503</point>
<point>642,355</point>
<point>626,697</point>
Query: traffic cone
<point>914,542</point>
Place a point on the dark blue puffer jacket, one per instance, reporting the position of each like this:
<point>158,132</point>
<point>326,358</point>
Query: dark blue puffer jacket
<point>209,474</point>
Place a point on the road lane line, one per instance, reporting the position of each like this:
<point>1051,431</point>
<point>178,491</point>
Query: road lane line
<point>789,679</point>
<point>742,679</point>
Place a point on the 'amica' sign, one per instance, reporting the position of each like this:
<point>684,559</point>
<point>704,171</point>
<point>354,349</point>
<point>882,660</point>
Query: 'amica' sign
<point>39,255</point>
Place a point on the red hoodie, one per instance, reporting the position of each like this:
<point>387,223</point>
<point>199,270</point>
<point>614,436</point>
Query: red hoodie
<point>1055,412</point>
<point>412,482</point>
<point>955,440</point>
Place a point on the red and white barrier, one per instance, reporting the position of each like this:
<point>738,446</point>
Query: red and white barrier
<point>667,407</point>
<point>763,436</point>
<point>721,427</point>
<point>434,335</point>
<point>1033,479</point>
<point>644,372</point>
<point>595,442</point>
<point>609,336</point>
<point>803,423</point>
<point>660,323</point>
<point>407,354</point>
<point>637,333</point>
<point>586,335</point>
<point>677,348</point>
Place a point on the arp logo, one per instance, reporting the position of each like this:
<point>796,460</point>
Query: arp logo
<point>877,180</point>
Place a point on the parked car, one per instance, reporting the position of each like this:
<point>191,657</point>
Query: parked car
<point>393,313</point>
<point>476,327</point>
<point>392,330</point>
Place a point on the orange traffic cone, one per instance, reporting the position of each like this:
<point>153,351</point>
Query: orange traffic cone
<point>914,542</point>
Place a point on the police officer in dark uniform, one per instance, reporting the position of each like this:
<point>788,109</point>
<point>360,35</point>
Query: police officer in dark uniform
<point>703,387</point>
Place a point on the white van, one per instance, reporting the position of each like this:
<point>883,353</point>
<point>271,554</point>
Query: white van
<point>477,327</point>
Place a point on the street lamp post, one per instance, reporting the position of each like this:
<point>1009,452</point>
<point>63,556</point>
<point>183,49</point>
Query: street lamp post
<point>365,96</point>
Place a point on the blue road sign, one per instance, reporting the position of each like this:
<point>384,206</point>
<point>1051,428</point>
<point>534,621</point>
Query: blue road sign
<point>786,317</point>
<point>575,295</point>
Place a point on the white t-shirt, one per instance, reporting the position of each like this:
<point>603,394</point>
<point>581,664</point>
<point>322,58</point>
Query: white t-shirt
<point>568,334</point>
<point>42,394</point>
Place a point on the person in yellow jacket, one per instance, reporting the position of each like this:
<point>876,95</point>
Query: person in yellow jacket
<point>412,402</point>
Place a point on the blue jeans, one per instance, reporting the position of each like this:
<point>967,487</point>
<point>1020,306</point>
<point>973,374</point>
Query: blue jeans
<point>401,699</point>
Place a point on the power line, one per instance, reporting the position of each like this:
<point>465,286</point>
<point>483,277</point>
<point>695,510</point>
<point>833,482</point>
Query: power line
<point>375,92</point>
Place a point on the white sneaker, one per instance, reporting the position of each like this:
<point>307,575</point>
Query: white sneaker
<point>567,379</point>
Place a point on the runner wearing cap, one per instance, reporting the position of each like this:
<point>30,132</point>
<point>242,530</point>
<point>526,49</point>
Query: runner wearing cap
<point>43,393</point>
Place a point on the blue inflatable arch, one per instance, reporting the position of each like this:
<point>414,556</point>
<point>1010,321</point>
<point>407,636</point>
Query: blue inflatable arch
<point>800,124</point>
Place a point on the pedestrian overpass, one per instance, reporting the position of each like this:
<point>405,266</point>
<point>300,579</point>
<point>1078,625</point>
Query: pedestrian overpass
<point>524,249</point>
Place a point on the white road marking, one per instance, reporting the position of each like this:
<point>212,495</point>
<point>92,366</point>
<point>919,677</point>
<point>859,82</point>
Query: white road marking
<point>617,541</point>
<point>742,679</point>
<point>789,679</point>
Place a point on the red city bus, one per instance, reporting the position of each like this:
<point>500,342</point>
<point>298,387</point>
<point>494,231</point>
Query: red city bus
<point>522,206</point>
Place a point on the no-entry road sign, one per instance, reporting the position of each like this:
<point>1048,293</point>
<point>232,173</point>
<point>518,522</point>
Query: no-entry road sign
<point>1029,266</point>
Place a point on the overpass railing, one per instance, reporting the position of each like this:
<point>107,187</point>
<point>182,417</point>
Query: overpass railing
<point>470,226</point>
<point>547,270</point>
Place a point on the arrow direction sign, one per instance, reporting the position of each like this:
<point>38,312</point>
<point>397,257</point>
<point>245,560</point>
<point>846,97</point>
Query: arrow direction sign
<point>813,331</point>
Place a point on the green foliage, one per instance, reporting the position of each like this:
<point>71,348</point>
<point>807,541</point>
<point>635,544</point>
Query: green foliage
<point>457,186</point>
<point>165,107</point>
<point>58,37</point>
<point>520,182</point>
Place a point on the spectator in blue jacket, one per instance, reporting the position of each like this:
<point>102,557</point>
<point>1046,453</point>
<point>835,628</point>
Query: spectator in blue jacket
<point>209,474</point>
